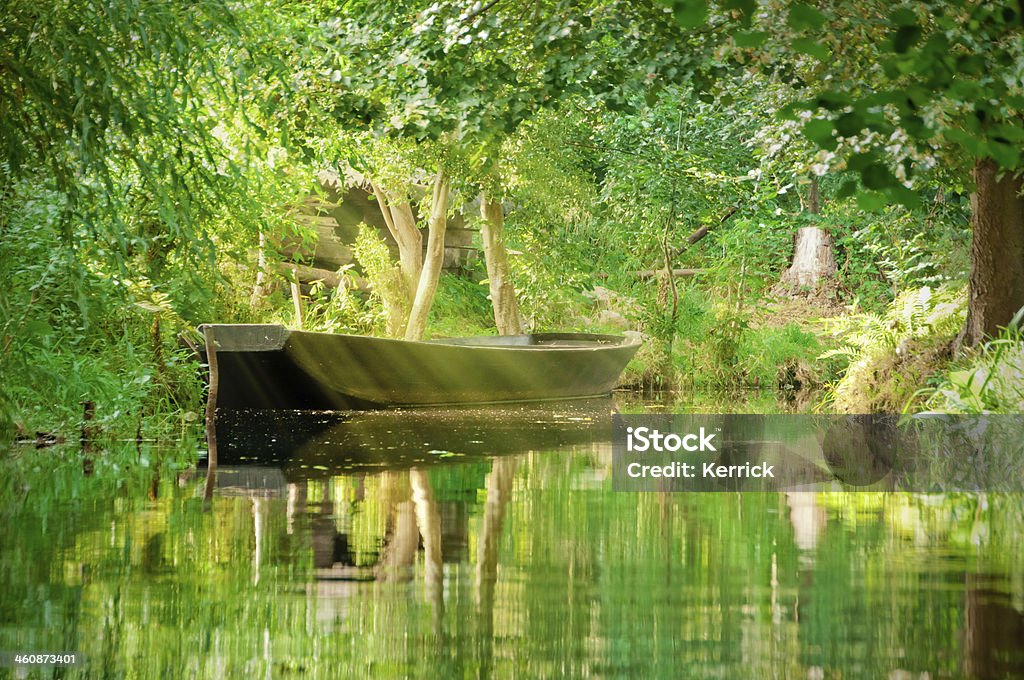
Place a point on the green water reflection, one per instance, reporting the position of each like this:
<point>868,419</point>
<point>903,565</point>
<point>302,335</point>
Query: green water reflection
<point>520,565</point>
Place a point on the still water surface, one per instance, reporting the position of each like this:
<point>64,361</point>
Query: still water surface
<point>489,543</point>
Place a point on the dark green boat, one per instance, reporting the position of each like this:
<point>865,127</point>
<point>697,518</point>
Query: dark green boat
<point>269,366</point>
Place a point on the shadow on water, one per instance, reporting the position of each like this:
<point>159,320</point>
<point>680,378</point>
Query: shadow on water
<point>321,443</point>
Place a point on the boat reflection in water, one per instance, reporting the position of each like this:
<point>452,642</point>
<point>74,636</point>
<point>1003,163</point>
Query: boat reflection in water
<point>322,463</point>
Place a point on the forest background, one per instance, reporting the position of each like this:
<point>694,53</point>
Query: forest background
<point>817,198</point>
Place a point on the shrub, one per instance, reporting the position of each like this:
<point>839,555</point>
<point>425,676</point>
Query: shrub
<point>893,355</point>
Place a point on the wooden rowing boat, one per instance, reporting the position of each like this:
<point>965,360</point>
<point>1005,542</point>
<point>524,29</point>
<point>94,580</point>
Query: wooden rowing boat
<point>269,366</point>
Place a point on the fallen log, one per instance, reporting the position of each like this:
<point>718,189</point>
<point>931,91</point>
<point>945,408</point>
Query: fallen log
<point>651,273</point>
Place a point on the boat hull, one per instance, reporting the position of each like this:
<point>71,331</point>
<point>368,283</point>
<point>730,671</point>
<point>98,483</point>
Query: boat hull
<point>267,366</point>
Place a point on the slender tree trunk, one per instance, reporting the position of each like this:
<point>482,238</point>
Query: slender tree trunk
<point>813,197</point>
<point>399,551</point>
<point>433,261</point>
<point>499,493</point>
<point>211,416</point>
<point>258,290</point>
<point>996,285</point>
<point>401,222</point>
<point>428,517</point>
<point>410,245</point>
<point>503,293</point>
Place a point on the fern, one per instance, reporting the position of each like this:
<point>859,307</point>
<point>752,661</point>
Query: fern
<point>876,343</point>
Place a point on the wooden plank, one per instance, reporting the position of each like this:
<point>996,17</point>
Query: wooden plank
<point>459,258</point>
<point>328,250</point>
<point>333,279</point>
<point>317,221</point>
<point>297,301</point>
<point>337,226</point>
<point>459,237</point>
<point>356,205</point>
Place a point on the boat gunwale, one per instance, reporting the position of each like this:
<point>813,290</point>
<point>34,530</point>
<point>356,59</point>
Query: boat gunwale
<point>595,340</point>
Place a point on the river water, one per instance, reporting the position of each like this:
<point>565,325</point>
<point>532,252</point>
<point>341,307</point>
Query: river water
<point>490,543</point>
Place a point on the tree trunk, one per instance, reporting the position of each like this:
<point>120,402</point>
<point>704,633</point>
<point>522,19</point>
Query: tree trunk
<point>399,218</point>
<point>993,632</point>
<point>399,551</point>
<point>996,285</point>
<point>432,262</point>
<point>499,493</point>
<point>428,517</point>
<point>813,258</point>
<point>503,293</point>
<point>261,271</point>
<point>813,255</point>
<point>813,197</point>
<point>401,222</point>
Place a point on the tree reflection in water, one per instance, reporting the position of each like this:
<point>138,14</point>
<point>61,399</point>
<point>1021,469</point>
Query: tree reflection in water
<point>516,565</point>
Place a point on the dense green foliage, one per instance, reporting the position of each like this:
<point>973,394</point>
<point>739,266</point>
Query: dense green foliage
<point>656,162</point>
<point>147,149</point>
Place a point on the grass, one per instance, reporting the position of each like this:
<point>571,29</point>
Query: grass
<point>131,386</point>
<point>989,380</point>
<point>461,307</point>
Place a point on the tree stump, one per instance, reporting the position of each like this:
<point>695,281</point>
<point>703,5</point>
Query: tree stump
<point>813,258</point>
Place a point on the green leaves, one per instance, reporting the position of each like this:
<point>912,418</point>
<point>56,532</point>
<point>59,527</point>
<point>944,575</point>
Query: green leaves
<point>903,16</point>
<point>905,37</point>
<point>803,17</point>
<point>871,201</point>
<point>847,189</point>
<point>1006,155</point>
<point>746,9</point>
<point>907,29</point>
<point>820,132</point>
<point>749,39</point>
<point>877,176</point>
<point>812,48</point>
<point>690,13</point>
<point>849,124</point>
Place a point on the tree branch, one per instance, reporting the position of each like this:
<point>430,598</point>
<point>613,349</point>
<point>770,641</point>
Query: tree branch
<point>703,231</point>
<point>480,11</point>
